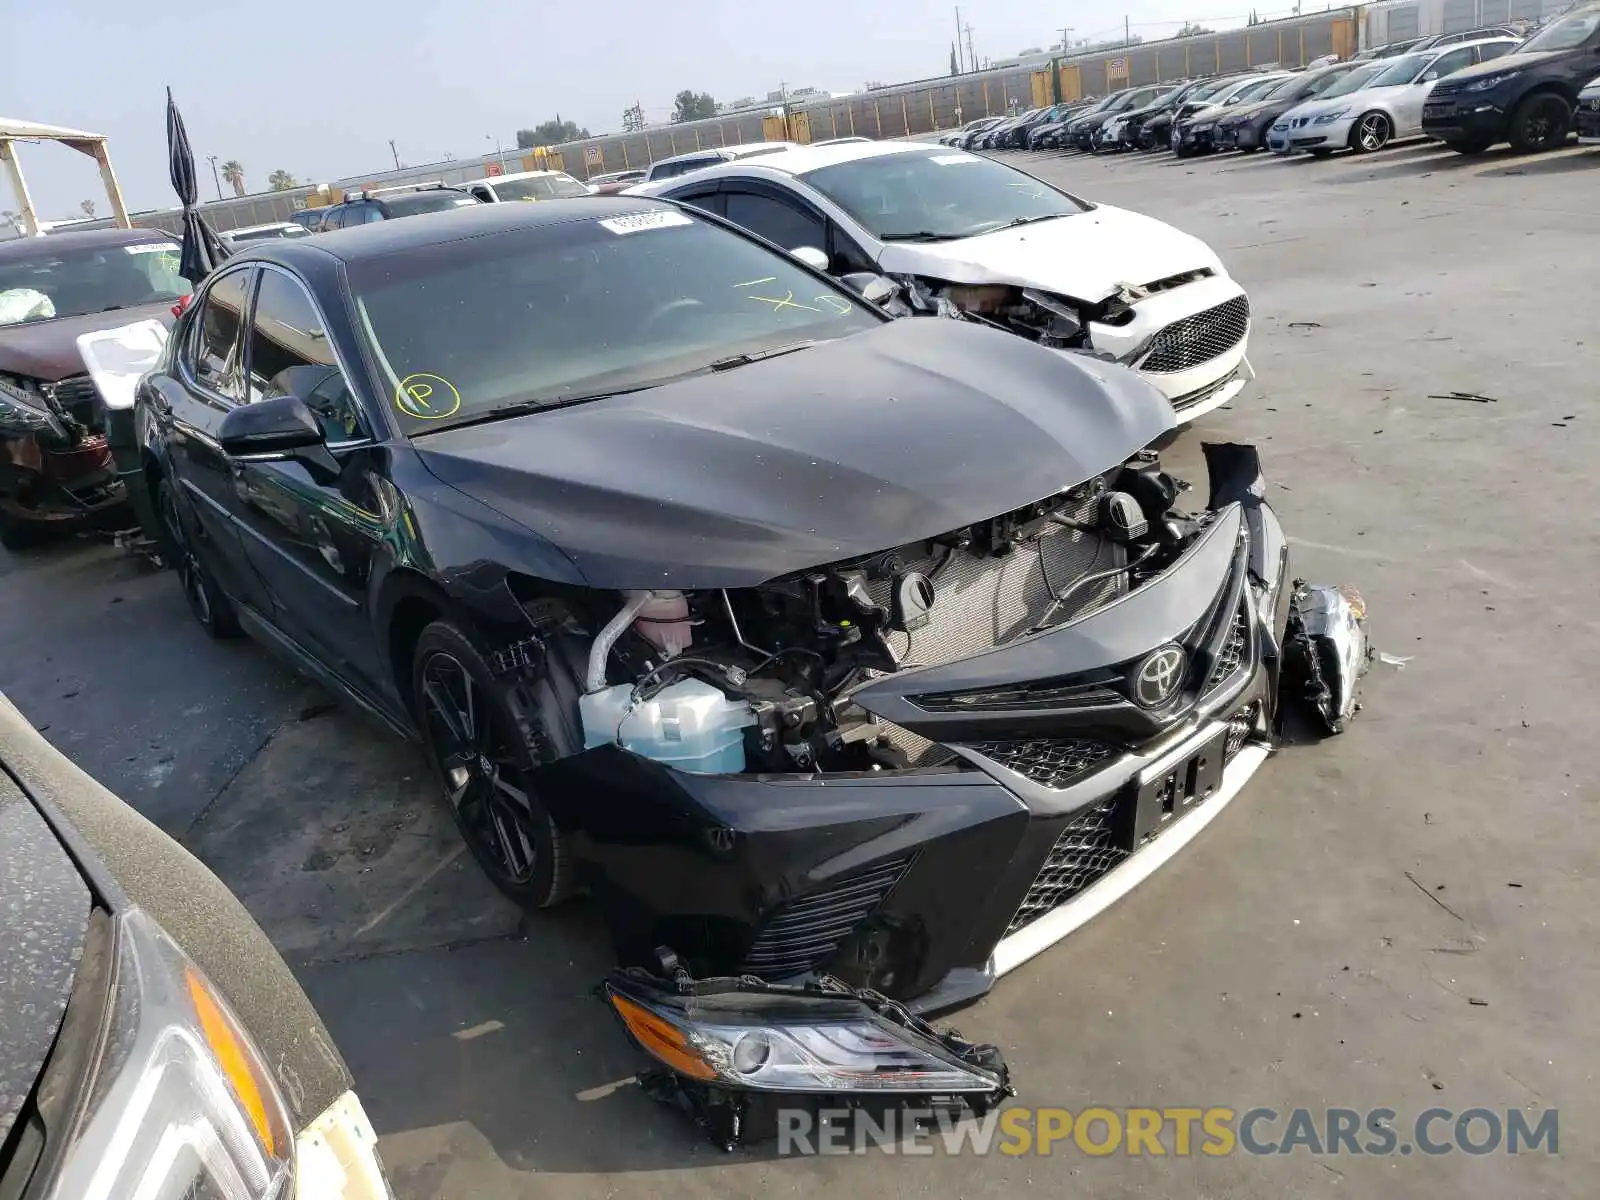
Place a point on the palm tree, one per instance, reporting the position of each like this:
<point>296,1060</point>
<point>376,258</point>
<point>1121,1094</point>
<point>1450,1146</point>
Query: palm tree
<point>233,172</point>
<point>88,208</point>
<point>281,181</point>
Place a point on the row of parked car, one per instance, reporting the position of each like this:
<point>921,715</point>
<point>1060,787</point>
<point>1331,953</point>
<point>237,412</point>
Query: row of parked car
<point>1469,90</point>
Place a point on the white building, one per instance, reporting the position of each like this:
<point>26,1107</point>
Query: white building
<point>1400,20</point>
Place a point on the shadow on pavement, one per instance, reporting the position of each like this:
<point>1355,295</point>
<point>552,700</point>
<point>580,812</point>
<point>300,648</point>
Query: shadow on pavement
<point>1586,158</point>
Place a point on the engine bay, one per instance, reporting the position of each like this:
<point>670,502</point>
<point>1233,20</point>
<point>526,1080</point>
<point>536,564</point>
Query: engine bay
<point>761,679</point>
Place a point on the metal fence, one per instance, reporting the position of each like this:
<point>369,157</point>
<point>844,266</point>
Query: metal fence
<point>900,110</point>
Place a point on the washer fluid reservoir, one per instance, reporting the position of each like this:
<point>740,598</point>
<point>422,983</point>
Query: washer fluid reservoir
<point>689,725</point>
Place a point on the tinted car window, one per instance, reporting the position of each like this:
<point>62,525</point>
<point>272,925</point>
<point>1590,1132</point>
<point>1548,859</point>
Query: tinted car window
<point>289,353</point>
<point>436,200</point>
<point>216,347</point>
<point>1565,34</point>
<point>776,221</point>
<point>548,314</point>
<point>920,197</point>
<point>1494,50</point>
<point>1453,61</point>
<point>711,202</point>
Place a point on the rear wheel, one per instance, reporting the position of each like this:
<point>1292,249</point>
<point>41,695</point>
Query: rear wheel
<point>207,601</point>
<point>1540,122</point>
<point>484,736</point>
<point>1372,132</point>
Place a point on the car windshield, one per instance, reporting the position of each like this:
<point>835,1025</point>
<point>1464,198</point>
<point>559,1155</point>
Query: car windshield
<point>441,200</point>
<point>1565,34</point>
<point>1355,80</point>
<point>1253,91</point>
<point>553,314</point>
<point>54,282</point>
<point>938,197</point>
<point>540,187</point>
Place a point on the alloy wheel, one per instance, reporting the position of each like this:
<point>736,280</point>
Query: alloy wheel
<point>1373,132</point>
<point>482,777</point>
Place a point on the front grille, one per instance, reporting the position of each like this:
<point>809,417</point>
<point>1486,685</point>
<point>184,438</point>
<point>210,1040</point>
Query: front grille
<point>1231,654</point>
<point>802,933</point>
<point>1198,339</point>
<point>985,601</point>
<point>1083,852</point>
<point>1049,762</point>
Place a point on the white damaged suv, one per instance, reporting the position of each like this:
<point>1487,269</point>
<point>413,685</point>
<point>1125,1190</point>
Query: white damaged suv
<point>1003,247</point>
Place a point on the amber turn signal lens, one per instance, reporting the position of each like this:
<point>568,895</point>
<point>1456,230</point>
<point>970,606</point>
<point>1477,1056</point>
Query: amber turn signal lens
<point>662,1039</point>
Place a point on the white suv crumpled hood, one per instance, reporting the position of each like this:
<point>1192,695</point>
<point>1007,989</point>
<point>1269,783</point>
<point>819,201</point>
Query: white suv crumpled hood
<point>1088,256</point>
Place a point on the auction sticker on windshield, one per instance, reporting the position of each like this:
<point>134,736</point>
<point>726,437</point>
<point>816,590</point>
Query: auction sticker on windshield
<point>642,221</point>
<point>154,248</point>
<point>945,160</point>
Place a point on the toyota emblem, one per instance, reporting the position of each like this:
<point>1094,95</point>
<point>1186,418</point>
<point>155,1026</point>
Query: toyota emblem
<point>1159,676</point>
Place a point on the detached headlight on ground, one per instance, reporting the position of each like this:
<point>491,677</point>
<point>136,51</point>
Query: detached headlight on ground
<point>730,1048</point>
<point>182,1105</point>
<point>837,1048</point>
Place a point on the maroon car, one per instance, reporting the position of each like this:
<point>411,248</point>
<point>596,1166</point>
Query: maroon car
<point>56,462</point>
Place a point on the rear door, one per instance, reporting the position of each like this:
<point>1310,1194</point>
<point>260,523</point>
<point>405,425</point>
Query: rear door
<point>310,539</point>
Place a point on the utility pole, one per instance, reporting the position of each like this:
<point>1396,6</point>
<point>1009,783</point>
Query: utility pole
<point>1127,32</point>
<point>396,154</point>
<point>215,178</point>
<point>959,66</point>
<point>1066,38</point>
<point>972,57</point>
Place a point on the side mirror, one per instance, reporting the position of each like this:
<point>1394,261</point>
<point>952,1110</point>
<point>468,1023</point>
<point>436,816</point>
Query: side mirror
<point>874,289</point>
<point>277,429</point>
<point>811,256</point>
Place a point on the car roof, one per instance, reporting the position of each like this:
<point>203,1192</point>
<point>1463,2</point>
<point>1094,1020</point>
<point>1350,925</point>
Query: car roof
<point>510,177</point>
<point>382,238</point>
<point>259,228</point>
<point>803,159</point>
<point>83,239</point>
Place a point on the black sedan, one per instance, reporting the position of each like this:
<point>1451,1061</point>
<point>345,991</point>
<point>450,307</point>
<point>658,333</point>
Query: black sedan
<point>152,1041</point>
<point>804,639</point>
<point>1245,128</point>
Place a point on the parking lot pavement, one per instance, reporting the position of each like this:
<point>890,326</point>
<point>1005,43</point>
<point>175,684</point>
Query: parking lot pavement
<point>1404,916</point>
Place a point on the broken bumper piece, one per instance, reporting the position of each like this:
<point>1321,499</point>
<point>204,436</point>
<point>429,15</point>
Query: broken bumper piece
<point>734,1052</point>
<point>1326,651</point>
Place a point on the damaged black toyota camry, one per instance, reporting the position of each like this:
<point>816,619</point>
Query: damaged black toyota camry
<point>811,644</point>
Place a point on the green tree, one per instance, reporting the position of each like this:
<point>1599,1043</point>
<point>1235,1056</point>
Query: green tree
<point>281,181</point>
<point>955,67</point>
<point>691,106</point>
<point>233,172</point>
<point>633,118</point>
<point>88,208</point>
<point>550,133</point>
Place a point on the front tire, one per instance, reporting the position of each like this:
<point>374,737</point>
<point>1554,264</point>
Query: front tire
<point>483,737</point>
<point>207,601</point>
<point>1540,123</point>
<point>1371,133</point>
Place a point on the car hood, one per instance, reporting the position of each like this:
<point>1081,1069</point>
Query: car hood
<point>1089,256</point>
<point>44,922</point>
<point>48,350</point>
<point>1508,62</point>
<point>1361,99</point>
<point>854,446</point>
<point>1256,108</point>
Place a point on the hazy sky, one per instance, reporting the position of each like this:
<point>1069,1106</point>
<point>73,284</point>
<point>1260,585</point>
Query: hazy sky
<point>318,87</point>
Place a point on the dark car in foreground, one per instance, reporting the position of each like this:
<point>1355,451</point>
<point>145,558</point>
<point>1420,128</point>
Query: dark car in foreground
<point>1245,128</point>
<point>804,639</point>
<point>152,1041</point>
<point>1526,97</point>
<point>57,462</point>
